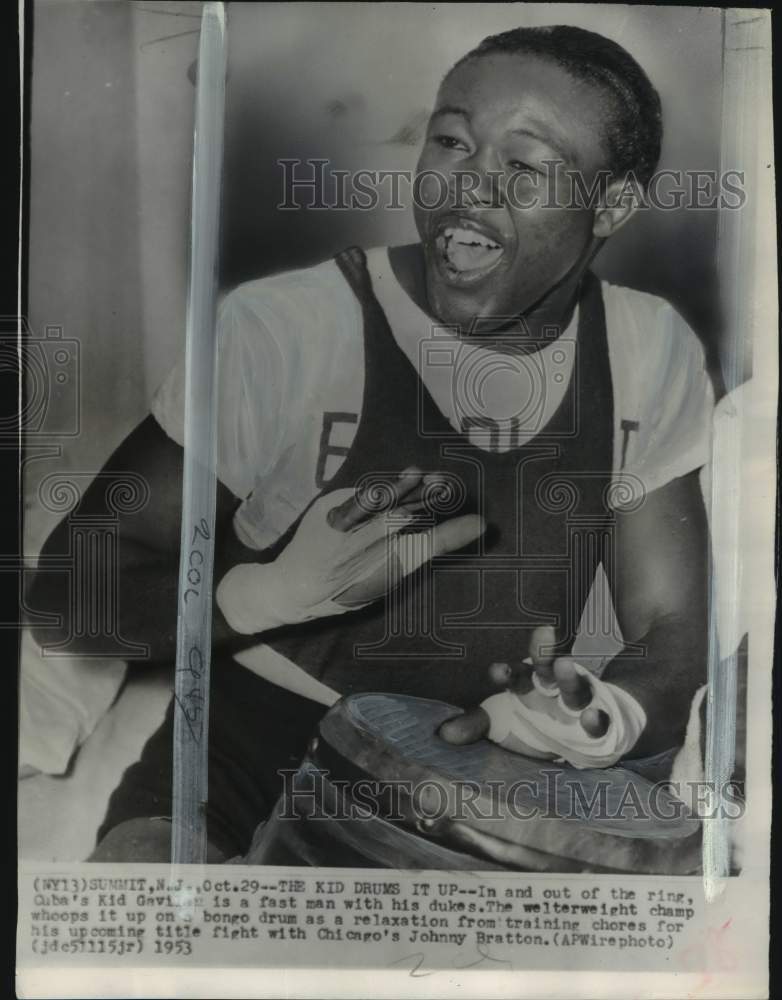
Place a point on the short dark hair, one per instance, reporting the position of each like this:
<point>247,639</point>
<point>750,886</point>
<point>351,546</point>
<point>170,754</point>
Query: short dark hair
<point>633,120</point>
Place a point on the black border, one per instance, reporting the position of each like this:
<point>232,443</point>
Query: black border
<point>15,177</point>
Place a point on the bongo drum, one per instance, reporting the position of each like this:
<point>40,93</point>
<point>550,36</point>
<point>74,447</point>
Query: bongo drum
<point>377,765</point>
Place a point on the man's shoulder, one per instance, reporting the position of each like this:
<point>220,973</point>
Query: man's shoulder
<point>647,327</point>
<point>301,329</point>
<point>312,289</point>
<point>644,306</point>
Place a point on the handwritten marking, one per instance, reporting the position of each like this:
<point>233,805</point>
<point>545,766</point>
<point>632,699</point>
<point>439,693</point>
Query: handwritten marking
<point>414,973</point>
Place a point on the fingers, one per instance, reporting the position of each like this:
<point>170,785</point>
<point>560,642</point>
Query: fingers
<point>576,692</point>
<point>516,677</point>
<point>376,557</point>
<point>409,491</point>
<point>520,678</point>
<point>358,507</point>
<point>367,589</point>
<point>345,515</point>
<point>452,535</point>
<point>541,645</point>
<point>466,728</point>
<point>500,674</point>
<point>419,498</point>
<point>365,524</point>
<point>575,689</point>
<point>414,549</point>
<point>595,722</point>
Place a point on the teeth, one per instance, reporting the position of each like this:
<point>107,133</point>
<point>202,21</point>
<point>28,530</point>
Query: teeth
<point>469,237</point>
<point>467,250</point>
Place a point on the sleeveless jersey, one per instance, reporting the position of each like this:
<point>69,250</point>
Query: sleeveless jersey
<point>546,505</point>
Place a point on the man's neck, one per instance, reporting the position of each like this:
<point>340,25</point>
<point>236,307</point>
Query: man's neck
<point>555,308</point>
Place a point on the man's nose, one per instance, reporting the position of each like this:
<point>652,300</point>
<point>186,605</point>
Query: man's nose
<point>478,183</point>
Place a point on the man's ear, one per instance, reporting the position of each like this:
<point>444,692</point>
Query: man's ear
<point>622,200</point>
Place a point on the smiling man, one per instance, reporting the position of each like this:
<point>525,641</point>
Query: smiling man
<point>425,454</point>
<point>482,125</point>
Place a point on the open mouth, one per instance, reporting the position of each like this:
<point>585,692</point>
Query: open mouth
<point>467,254</point>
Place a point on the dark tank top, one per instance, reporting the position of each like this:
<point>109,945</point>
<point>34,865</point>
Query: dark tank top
<point>545,504</point>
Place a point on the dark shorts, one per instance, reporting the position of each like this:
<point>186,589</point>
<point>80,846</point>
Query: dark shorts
<point>255,730</point>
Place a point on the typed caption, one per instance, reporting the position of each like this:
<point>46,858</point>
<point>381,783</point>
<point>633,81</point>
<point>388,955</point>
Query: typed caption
<point>153,915</point>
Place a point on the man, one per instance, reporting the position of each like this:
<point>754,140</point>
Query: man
<point>426,452</point>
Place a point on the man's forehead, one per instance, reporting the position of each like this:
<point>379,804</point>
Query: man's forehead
<point>528,94</point>
<point>512,80</point>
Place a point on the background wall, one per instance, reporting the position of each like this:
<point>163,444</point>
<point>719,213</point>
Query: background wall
<point>111,142</point>
<point>111,137</point>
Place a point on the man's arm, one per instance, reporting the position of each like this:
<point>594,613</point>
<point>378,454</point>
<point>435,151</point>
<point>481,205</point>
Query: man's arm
<point>659,573</point>
<point>659,581</point>
<point>340,558</point>
<point>148,550</point>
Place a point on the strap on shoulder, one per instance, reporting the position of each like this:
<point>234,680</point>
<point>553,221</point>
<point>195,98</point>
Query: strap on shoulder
<point>353,263</point>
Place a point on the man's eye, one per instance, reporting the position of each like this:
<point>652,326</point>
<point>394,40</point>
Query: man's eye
<point>523,168</point>
<point>449,142</point>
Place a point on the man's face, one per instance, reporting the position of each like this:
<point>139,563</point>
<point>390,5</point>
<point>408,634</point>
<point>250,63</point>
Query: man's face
<point>505,114</point>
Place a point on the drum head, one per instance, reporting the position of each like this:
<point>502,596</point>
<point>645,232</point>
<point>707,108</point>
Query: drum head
<point>594,820</point>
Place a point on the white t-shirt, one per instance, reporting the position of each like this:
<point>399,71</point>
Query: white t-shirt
<point>291,349</point>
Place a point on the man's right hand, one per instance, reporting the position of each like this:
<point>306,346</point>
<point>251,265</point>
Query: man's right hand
<point>344,555</point>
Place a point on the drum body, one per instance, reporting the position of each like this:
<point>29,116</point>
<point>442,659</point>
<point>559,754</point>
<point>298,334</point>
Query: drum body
<point>377,768</point>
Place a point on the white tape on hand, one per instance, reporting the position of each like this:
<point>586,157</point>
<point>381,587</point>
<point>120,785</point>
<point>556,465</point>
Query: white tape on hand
<point>318,564</point>
<point>506,731</point>
<point>321,565</point>
<point>519,724</point>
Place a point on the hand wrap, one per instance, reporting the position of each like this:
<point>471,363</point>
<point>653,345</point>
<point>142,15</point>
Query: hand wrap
<point>538,724</point>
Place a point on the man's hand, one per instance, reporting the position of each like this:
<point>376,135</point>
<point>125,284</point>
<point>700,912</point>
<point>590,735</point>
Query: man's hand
<point>545,685</point>
<point>344,555</point>
<point>554,690</point>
